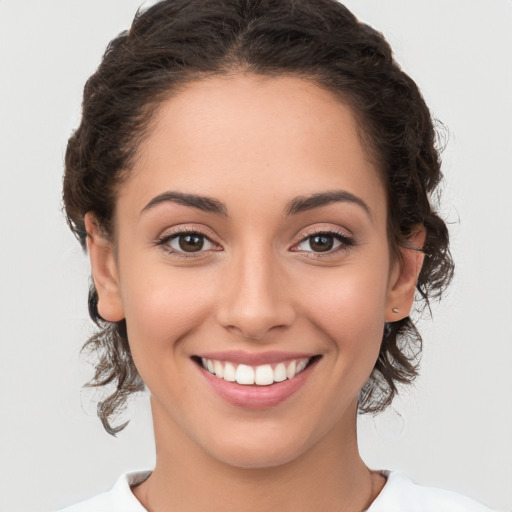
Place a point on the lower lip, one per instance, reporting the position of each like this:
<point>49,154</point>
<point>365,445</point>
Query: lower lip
<point>253,396</point>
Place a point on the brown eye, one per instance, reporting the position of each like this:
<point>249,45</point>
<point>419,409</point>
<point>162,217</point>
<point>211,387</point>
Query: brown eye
<point>324,242</point>
<point>189,243</point>
<point>321,243</point>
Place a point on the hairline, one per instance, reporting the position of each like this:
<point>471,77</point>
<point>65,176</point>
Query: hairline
<point>150,110</point>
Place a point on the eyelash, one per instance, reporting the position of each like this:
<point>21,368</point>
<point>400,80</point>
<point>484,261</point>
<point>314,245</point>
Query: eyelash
<point>345,243</point>
<point>165,241</point>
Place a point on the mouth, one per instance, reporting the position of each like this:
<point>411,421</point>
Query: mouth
<point>257,380</point>
<point>257,375</point>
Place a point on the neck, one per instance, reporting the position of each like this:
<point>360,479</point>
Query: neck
<point>330,477</point>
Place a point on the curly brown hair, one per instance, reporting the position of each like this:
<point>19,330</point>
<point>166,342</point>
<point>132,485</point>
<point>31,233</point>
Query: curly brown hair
<point>178,41</point>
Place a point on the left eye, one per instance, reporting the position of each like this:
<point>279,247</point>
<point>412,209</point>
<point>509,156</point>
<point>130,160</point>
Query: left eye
<point>190,242</point>
<point>321,242</point>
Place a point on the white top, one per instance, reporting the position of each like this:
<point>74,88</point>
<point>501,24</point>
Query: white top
<point>399,494</point>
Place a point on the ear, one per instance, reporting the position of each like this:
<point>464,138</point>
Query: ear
<point>104,271</point>
<point>404,277</point>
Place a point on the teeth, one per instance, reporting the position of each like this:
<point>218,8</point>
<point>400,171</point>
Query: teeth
<point>290,370</point>
<point>280,372</point>
<point>263,375</point>
<point>300,366</point>
<point>219,370</point>
<point>244,374</point>
<point>229,373</point>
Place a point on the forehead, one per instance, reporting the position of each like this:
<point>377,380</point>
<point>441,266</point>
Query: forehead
<point>254,135</point>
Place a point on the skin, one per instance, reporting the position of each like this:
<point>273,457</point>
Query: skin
<point>254,144</point>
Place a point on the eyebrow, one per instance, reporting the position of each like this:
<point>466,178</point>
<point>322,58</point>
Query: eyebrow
<point>206,204</point>
<point>301,204</point>
<point>298,205</point>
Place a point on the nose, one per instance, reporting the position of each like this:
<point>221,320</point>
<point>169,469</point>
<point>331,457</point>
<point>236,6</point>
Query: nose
<point>256,299</point>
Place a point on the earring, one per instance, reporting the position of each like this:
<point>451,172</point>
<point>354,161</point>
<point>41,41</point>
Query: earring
<point>395,310</point>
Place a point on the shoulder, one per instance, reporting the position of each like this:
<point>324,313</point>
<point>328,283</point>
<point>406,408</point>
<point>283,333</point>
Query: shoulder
<point>400,494</point>
<point>119,499</point>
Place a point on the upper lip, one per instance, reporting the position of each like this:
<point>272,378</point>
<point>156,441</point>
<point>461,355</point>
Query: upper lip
<point>254,358</point>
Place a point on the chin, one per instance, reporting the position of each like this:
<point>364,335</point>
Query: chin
<point>247,458</point>
<point>266,449</point>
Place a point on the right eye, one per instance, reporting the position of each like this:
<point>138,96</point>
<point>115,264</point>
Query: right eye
<point>187,243</point>
<point>190,242</point>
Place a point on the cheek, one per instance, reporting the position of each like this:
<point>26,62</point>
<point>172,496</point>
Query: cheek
<point>162,306</point>
<point>349,305</point>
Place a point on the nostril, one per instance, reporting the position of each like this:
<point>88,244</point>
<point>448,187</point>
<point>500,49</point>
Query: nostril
<point>240,332</point>
<point>250,308</point>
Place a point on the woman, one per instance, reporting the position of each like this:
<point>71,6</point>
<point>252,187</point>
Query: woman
<point>252,182</point>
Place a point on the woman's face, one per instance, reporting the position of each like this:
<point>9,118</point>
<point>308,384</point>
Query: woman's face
<point>251,238</point>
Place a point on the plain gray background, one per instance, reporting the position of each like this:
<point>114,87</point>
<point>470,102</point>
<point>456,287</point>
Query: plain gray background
<point>453,429</point>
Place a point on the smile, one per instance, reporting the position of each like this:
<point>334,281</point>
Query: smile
<point>255,380</point>
<point>261,375</point>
